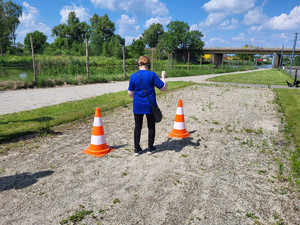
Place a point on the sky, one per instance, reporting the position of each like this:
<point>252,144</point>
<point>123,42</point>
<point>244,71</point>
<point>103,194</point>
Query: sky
<point>224,23</point>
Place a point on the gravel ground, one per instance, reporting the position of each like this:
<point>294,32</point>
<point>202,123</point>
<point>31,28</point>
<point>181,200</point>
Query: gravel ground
<point>224,173</point>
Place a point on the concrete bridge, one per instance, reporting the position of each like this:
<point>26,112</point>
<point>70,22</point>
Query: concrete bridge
<point>217,53</point>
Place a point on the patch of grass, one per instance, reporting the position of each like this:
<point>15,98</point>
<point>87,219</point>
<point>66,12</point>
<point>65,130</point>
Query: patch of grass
<point>43,119</point>
<point>261,172</point>
<point>251,215</point>
<point>116,200</point>
<point>258,131</point>
<point>268,77</point>
<point>295,166</point>
<point>289,101</point>
<point>77,216</point>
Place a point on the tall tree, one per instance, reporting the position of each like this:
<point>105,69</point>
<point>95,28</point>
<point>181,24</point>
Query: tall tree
<point>153,34</point>
<point>137,48</point>
<point>74,31</point>
<point>39,41</point>
<point>176,35</point>
<point>9,20</point>
<point>102,30</point>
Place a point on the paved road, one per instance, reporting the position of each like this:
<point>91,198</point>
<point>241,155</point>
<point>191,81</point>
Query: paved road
<point>27,99</point>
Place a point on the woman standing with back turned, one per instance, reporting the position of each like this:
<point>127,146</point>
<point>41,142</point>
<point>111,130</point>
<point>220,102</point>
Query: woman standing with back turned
<point>141,103</point>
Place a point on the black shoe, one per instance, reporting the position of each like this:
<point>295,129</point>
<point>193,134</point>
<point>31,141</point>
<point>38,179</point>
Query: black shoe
<point>151,150</point>
<point>137,152</point>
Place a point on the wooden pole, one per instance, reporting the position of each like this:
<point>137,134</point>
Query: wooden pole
<point>152,59</point>
<point>188,66</point>
<point>33,59</point>
<point>201,63</point>
<point>171,65</point>
<point>87,57</point>
<point>124,61</point>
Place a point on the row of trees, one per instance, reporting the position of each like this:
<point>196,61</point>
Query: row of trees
<point>70,38</point>
<point>100,31</point>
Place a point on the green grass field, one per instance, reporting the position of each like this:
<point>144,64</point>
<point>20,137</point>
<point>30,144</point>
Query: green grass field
<point>268,77</point>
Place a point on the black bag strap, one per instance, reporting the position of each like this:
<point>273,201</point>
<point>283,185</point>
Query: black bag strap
<point>145,91</point>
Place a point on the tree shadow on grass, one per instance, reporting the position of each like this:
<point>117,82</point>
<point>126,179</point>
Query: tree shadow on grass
<point>22,180</point>
<point>38,119</point>
<point>177,144</point>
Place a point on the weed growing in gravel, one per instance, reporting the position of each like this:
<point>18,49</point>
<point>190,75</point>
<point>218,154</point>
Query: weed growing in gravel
<point>261,172</point>
<point>116,200</point>
<point>176,182</point>
<point>195,118</point>
<point>216,122</point>
<point>277,219</point>
<point>1,170</point>
<point>210,105</point>
<point>280,171</point>
<point>258,131</point>
<point>251,215</point>
<point>78,216</point>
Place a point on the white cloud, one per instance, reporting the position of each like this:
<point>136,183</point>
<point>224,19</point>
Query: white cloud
<point>255,16</point>
<point>213,19</point>
<point>229,25</point>
<point>105,4</point>
<point>220,9</point>
<point>215,41</point>
<point>288,22</point>
<point>162,20</point>
<point>129,39</point>
<point>127,25</point>
<point>29,22</point>
<point>81,13</point>
<point>148,7</point>
<point>194,27</point>
<point>230,6</point>
<point>241,37</point>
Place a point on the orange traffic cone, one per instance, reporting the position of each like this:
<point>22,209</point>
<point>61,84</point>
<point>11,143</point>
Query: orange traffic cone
<point>98,146</point>
<point>179,130</point>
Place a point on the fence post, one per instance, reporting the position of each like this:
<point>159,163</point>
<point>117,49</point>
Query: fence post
<point>152,59</point>
<point>201,63</point>
<point>87,57</point>
<point>33,59</point>
<point>171,65</point>
<point>188,66</point>
<point>124,62</point>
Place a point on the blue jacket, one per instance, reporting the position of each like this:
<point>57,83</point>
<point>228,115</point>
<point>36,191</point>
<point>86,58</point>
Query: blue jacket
<point>150,80</point>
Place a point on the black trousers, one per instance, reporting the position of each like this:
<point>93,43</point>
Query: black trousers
<point>138,118</point>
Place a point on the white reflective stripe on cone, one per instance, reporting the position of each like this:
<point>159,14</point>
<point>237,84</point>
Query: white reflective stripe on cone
<point>98,140</point>
<point>179,125</point>
<point>179,111</point>
<point>97,122</point>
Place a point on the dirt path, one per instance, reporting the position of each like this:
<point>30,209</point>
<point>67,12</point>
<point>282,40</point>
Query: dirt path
<point>27,99</point>
<point>224,173</point>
